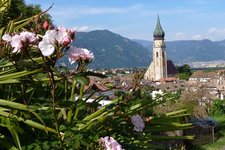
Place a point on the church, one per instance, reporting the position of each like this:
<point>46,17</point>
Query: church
<point>160,67</point>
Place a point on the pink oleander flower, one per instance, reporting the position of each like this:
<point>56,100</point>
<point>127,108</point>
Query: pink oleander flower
<point>16,42</point>
<point>64,36</point>
<point>80,54</point>
<point>28,36</point>
<point>138,123</point>
<point>47,45</point>
<point>59,36</point>
<point>19,41</point>
<point>109,143</point>
<point>7,37</point>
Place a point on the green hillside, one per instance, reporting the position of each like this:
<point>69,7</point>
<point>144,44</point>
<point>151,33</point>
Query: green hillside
<point>112,50</point>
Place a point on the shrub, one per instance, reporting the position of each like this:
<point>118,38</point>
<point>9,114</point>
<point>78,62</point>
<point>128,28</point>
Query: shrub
<point>45,106</point>
<point>218,107</point>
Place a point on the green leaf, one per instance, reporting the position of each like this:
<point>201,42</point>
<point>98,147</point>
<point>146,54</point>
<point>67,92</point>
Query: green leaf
<point>4,60</point>
<point>4,5</point>
<point>8,71</point>
<point>82,80</point>
<point>46,145</point>
<point>8,64</point>
<point>101,110</point>
<point>5,63</point>
<point>19,106</point>
<point>15,137</point>
<point>10,81</point>
<point>29,122</point>
<point>62,127</point>
<point>176,112</point>
<point>17,74</point>
<point>14,105</point>
<point>22,23</point>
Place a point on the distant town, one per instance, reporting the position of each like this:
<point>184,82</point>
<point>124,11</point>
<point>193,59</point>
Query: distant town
<point>163,76</point>
<point>207,64</point>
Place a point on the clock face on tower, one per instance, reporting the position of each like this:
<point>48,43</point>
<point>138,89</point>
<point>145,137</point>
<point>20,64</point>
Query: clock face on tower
<point>158,43</point>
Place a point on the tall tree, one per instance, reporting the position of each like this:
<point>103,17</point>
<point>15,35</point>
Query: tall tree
<point>184,72</point>
<point>18,10</point>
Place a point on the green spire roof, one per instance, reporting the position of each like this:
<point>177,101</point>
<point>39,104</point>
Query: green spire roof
<point>158,33</point>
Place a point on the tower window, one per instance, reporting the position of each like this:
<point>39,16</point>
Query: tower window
<point>157,54</point>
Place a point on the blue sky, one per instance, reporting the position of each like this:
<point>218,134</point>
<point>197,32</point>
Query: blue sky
<point>136,19</point>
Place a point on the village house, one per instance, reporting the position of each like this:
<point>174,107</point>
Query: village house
<point>213,81</point>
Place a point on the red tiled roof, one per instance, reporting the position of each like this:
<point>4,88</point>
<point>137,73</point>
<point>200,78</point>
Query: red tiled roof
<point>203,74</point>
<point>169,79</point>
<point>96,86</point>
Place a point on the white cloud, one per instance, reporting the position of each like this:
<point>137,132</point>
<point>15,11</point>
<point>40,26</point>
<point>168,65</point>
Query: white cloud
<point>212,30</point>
<point>82,29</point>
<point>197,37</point>
<point>180,36</point>
<point>212,34</point>
<point>216,31</point>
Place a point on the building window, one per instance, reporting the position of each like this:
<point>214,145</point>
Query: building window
<point>157,54</point>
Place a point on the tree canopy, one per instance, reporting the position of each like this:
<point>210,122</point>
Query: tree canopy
<point>18,10</point>
<point>184,71</point>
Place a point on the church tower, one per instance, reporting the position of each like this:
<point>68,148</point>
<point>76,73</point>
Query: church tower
<point>158,67</point>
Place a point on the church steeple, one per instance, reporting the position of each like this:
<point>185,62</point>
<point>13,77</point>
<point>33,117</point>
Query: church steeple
<point>158,33</point>
<point>158,67</point>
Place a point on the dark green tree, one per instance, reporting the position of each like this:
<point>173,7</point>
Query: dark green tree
<point>184,71</point>
<point>19,10</point>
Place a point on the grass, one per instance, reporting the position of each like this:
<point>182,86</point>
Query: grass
<point>219,144</point>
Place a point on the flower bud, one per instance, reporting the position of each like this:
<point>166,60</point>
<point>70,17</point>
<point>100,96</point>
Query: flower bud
<point>45,25</point>
<point>66,41</point>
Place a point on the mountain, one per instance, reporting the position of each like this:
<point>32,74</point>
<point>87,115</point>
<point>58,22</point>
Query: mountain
<point>147,44</point>
<point>112,50</point>
<point>222,43</point>
<point>186,51</point>
<point>192,50</point>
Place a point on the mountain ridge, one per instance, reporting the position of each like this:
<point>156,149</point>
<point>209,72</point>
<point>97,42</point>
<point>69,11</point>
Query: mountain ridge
<point>185,51</point>
<point>112,50</point>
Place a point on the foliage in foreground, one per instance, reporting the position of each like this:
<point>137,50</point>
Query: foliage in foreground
<point>45,106</point>
<point>190,100</point>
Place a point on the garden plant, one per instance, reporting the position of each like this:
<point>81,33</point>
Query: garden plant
<point>45,106</point>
